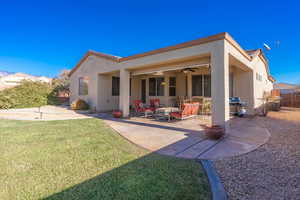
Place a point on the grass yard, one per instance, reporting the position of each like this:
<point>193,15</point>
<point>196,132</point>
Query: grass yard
<point>85,159</point>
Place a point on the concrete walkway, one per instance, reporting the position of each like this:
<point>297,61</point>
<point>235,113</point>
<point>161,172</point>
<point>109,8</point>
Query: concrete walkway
<point>186,139</point>
<point>44,113</point>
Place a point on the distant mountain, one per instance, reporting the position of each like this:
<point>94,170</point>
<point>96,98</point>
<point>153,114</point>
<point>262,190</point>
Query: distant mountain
<point>4,73</point>
<point>8,80</point>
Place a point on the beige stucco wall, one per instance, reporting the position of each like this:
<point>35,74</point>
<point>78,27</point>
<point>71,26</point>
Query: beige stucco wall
<point>90,68</point>
<point>260,87</point>
<point>247,86</point>
<point>243,87</point>
<point>100,70</point>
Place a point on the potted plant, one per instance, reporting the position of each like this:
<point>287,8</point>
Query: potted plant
<point>214,132</point>
<point>117,114</point>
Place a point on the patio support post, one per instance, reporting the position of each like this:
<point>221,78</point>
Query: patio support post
<point>124,92</point>
<point>220,85</point>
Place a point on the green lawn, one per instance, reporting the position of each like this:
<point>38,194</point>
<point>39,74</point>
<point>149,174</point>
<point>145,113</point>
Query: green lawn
<point>85,159</point>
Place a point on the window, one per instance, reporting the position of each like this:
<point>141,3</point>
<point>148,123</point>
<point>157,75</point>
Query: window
<point>115,86</point>
<point>258,77</point>
<point>152,87</point>
<point>207,86</point>
<point>83,86</point>
<point>201,85</point>
<point>197,86</point>
<point>156,86</point>
<point>172,86</point>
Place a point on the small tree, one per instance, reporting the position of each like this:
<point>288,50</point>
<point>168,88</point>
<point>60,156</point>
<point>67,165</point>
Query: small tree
<point>60,84</point>
<point>62,81</point>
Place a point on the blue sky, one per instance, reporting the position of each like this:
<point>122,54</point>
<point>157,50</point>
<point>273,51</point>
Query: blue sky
<point>43,37</point>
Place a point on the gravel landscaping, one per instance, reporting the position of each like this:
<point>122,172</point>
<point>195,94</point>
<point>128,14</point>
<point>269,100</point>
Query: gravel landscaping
<point>273,170</point>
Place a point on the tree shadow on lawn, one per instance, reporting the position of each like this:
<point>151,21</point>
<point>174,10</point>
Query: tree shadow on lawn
<point>152,176</point>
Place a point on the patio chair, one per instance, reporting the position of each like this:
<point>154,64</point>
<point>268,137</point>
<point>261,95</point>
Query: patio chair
<point>141,109</point>
<point>200,101</point>
<point>155,103</point>
<point>195,108</point>
<point>188,110</point>
<point>180,100</point>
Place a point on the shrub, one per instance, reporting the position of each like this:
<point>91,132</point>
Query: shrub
<point>79,104</point>
<point>27,94</point>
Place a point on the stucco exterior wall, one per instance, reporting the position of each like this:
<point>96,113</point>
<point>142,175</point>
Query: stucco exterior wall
<point>90,68</point>
<point>106,101</point>
<point>243,88</point>
<point>217,53</point>
<point>247,86</point>
<point>260,86</point>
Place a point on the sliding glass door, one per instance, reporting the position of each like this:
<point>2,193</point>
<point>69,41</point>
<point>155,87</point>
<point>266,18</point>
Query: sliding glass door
<point>201,85</point>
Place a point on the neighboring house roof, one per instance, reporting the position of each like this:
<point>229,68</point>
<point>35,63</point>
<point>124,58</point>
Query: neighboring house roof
<point>247,54</point>
<point>289,91</point>
<point>286,86</point>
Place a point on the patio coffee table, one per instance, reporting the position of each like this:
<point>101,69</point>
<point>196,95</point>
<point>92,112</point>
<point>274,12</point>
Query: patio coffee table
<point>164,112</point>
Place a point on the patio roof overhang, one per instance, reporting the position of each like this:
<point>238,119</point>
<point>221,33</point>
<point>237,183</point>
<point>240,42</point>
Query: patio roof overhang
<point>167,69</point>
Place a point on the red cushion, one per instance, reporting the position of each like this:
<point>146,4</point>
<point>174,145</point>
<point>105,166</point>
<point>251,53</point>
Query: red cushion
<point>154,102</point>
<point>176,115</point>
<point>149,109</point>
<point>186,111</point>
<point>195,108</point>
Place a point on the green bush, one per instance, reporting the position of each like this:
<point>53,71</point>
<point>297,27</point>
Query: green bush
<point>27,94</point>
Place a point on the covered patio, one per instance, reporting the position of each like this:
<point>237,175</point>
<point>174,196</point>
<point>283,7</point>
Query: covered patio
<point>184,81</point>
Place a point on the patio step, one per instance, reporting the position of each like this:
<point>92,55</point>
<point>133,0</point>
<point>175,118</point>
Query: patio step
<point>180,146</point>
<point>197,149</point>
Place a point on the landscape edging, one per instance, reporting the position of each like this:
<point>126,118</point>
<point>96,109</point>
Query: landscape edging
<point>217,188</point>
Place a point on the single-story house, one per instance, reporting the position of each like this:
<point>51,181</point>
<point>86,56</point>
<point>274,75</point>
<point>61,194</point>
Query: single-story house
<point>215,66</point>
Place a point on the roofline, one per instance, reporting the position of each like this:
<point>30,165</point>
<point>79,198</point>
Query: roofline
<point>262,56</point>
<point>224,35</point>
<point>93,53</point>
<point>199,41</point>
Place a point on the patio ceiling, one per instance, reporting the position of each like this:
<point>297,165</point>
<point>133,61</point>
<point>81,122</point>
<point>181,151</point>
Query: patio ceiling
<point>172,68</point>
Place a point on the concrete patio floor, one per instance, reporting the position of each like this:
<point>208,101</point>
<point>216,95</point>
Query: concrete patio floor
<point>186,139</point>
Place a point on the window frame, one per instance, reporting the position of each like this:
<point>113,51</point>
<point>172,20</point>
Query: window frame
<point>159,89</point>
<point>115,81</point>
<point>204,92</point>
<point>172,86</point>
<point>194,91</point>
<point>83,90</point>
